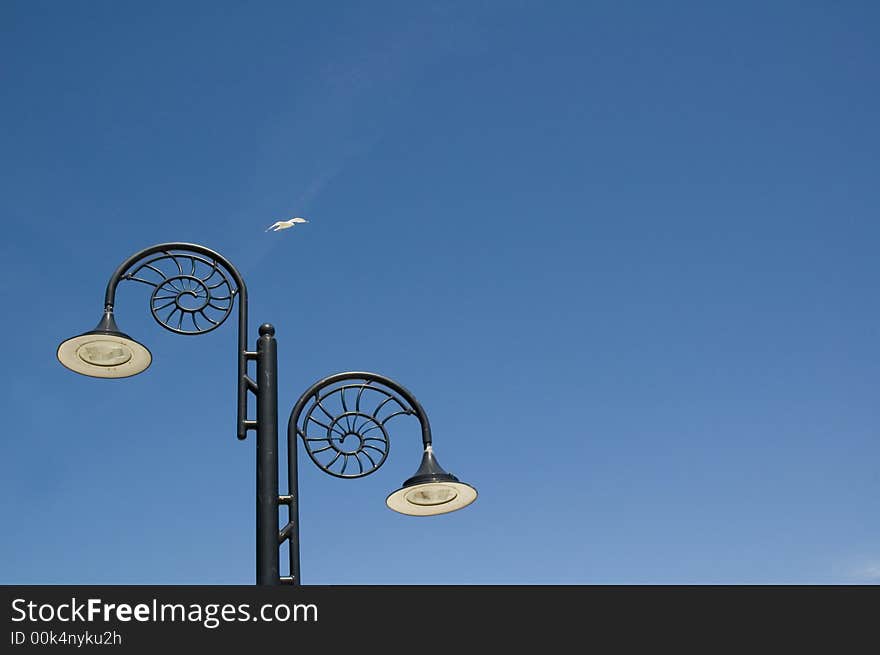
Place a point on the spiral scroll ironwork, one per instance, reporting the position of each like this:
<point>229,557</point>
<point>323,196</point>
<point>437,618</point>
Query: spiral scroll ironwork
<point>192,293</point>
<point>343,426</point>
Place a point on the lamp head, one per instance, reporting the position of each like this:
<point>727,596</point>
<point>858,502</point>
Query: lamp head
<point>104,352</point>
<point>431,491</point>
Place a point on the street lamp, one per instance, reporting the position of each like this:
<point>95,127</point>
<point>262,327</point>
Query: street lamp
<point>341,419</point>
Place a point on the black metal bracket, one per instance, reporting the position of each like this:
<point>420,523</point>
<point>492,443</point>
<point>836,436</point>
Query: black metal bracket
<point>194,289</point>
<point>342,421</point>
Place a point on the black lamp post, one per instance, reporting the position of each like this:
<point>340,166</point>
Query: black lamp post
<point>340,419</point>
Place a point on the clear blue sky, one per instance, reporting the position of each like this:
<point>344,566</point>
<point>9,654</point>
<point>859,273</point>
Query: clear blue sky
<point>624,253</point>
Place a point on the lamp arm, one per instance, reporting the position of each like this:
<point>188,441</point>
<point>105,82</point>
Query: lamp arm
<point>193,287</point>
<point>368,380</point>
<point>348,395</point>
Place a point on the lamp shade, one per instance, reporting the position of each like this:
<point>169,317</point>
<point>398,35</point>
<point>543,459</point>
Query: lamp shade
<point>104,352</point>
<point>431,491</point>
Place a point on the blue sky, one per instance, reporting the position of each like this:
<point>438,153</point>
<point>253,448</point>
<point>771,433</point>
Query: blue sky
<point>625,254</point>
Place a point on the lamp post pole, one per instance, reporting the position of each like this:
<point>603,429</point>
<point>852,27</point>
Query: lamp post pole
<point>194,290</point>
<point>267,460</point>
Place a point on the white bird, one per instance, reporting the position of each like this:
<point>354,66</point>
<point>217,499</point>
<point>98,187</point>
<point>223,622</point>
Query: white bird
<point>283,225</point>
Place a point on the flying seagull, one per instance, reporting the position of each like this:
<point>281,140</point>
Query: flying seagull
<point>283,225</point>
